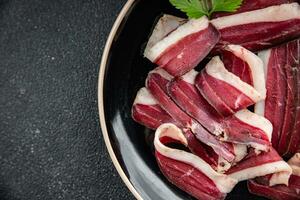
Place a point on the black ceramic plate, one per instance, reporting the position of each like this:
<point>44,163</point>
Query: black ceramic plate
<point>123,72</point>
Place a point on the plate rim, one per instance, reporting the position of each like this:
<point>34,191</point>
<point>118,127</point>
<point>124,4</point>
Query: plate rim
<point>101,109</point>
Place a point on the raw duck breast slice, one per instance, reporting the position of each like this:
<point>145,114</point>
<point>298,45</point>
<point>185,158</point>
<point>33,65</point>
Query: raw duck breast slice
<point>188,171</point>
<point>249,5</point>
<point>156,83</point>
<point>147,112</point>
<point>259,29</point>
<point>279,192</point>
<point>226,92</point>
<point>243,127</point>
<point>259,165</point>
<point>184,47</point>
<point>281,65</point>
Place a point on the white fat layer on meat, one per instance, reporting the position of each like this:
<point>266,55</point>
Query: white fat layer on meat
<point>190,76</point>
<point>163,73</point>
<point>190,27</point>
<point>256,120</point>
<point>216,69</point>
<point>144,97</point>
<point>294,162</point>
<point>265,57</point>
<point>223,165</point>
<point>261,170</point>
<point>240,151</point>
<point>223,182</point>
<point>255,64</point>
<point>280,178</point>
<point>277,13</point>
<point>165,25</point>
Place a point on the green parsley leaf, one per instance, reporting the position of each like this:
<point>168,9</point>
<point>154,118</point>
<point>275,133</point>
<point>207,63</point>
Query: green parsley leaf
<point>226,5</point>
<point>192,8</point>
<point>198,8</point>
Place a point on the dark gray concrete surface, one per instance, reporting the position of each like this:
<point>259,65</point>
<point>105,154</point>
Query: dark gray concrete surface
<point>51,145</point>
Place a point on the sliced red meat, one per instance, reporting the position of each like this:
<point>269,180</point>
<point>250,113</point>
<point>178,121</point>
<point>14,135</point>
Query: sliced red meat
<point>259,29</point>
<point>294,142</point>
<point>226,92</point>
<point>147,112</point>
<point>276,93</point>
<point>183,48</point>
<point>157,85</point>
<point>263,164</point>
<point>278,192</point>
<point>248,67</point>
<point>261,186</point>
<point>249,5</point>
<point>239,128</point>
<point>289,67</point>
<point>237,66</point>
<point>280,107</point>
<point>187,171</point>
<point>164,26</point>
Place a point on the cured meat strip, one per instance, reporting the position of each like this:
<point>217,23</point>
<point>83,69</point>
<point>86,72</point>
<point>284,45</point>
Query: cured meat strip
<point>215,79</point>
<point>280,107</point>
<point>237,66</point>
<point>291,69</point>
<point>261,28</point>
<point>261,187</point>
<point>278,192</point>
<point>276,93</point>
<point>156,83</point>
<point>165,25</point>
<point>183,48</point>
<point>294,142</point>
<point>146,111</point>
<point>244,127</point>
<point>187,171</point>
<point>263,164</point>
<point>248,66</point>
<point>249,5</point>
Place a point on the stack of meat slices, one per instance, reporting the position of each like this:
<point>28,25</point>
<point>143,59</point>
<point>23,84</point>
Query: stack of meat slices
<point>239,117</point>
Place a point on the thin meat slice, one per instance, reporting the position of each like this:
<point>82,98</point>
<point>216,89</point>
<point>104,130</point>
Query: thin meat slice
<point>249,5</point>
<point>278,192</point>
<point>276,93</point>
<point>244,127</point>
<point>294,142</point>
<point>226,92</point>
<point>281,66</point>
<point>164,26</point>
<point>261,28</point>
<point>157,85</point>
<point>263,164</point>
<point>254,130</point>
<point>262,187</point>
<point>292,63</point>
<point>185,47</point>
<point>237,66</point>
<point>187,171</point>
<point>146,111</point>
<point>248,67</point>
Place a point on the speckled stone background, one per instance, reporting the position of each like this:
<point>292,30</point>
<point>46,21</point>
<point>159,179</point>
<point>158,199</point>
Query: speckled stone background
<point>51,145</point>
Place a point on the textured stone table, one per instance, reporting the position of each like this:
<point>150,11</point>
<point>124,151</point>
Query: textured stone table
<point>51,145</point>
